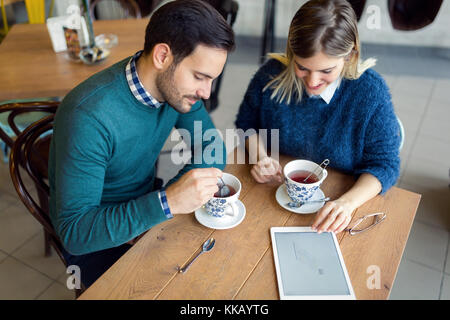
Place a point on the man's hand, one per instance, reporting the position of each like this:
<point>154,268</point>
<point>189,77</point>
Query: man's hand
<point>192,190</point>
<point>267,170</point>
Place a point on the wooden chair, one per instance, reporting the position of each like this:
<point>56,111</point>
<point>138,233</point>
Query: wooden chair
<point>18,116</point>
<point>30,154</point>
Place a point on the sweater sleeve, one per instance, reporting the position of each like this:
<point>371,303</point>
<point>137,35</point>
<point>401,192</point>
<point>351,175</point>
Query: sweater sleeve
<point>82,149</point>
<point>381,145</point>
<point>202,138</point>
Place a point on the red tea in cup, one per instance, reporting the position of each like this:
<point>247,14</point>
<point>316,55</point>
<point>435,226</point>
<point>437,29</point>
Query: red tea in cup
<point>301,175</point>
<point>232,192</point>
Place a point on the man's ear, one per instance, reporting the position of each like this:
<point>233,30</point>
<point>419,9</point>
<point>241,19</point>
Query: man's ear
<point>162,56</point>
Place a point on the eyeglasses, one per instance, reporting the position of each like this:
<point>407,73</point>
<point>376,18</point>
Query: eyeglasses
<point>378,217</point>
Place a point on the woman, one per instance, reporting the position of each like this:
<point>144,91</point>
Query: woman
<point>326,103</point>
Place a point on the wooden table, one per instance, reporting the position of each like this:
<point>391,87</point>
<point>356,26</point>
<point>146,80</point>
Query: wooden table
<point>30,68</point>
<point>241,264</point>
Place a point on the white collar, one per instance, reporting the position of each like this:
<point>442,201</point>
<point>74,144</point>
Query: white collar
<point>329,91</point>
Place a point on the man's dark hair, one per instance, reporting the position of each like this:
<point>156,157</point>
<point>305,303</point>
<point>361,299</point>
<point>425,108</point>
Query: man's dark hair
<point>184,24</point>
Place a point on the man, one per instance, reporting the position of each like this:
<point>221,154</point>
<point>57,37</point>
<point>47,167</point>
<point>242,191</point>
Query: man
<point>110,129</point>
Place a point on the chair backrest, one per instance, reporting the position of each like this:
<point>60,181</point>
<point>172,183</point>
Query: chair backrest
<point>228,9</point>
<point>409,15</point>
<point>130,8</point>
<point>4,3</point>
<point>401,133</point>
<point>36,11</point>
<point>30,154</point>
<point>16,116</point>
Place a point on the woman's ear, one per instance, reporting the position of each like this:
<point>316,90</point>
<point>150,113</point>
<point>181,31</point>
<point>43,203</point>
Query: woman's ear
<point>162,56</point>
<point>349,56</point>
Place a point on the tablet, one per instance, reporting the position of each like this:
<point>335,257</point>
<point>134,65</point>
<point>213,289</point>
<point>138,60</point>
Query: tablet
<point>309,265</point>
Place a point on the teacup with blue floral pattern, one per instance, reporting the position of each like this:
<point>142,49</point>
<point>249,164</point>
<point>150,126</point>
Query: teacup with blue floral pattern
<point>297,191</point>
<point>220,207</point>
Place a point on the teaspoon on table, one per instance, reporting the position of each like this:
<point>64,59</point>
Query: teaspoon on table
<point>207,246</point>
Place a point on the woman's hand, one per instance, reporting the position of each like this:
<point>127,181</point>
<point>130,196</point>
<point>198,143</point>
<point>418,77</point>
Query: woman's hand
<point>334,216</point>
<point>266,170</point>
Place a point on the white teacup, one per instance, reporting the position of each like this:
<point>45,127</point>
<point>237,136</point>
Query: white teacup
<point>219,207</point>
<point>301,191</point>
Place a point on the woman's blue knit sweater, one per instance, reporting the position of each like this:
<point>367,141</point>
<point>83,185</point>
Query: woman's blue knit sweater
<point>358,130</point>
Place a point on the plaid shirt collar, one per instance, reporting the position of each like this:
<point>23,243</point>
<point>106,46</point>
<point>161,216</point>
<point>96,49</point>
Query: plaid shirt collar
<point>136,86</point>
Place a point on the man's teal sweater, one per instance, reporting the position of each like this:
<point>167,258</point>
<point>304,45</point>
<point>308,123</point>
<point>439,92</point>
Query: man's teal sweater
<point>102,161</point>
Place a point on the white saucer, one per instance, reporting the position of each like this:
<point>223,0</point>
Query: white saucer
<point>225,222</point>
<point>283,198</point>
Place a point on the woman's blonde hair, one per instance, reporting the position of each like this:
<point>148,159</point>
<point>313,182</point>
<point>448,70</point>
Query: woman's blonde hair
<point>327,26</point>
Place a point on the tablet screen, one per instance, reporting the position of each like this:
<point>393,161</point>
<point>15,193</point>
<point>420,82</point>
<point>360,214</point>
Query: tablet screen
<point>309,264</point>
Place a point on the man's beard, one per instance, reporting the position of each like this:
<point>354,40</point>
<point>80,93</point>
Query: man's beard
<point>166,86</point>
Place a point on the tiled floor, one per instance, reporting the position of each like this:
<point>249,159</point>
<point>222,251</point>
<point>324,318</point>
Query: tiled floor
<point>421,99</point>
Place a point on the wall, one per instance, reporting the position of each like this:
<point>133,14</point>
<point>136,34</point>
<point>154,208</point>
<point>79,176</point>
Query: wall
<point>250,21</point>
<point>251,16</point>
<point>106,9</point>
<point>437,34</point>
